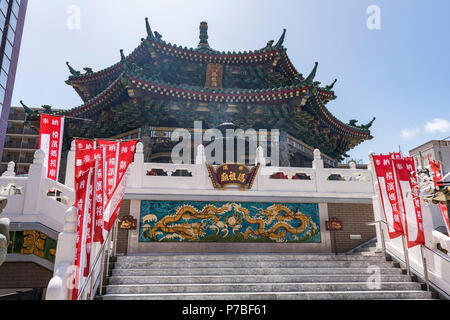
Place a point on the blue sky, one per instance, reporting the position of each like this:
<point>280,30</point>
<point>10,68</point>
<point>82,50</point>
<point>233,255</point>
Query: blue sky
<point>399,74</point>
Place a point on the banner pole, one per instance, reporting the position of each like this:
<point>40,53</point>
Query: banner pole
<point>448,216</point>
<point>94,204</point>
<point>405,253</point>
<point>115,238</point>
<point>425,268</point>
<point>83,234</point>
<point>383,244</point>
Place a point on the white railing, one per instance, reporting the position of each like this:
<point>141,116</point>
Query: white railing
<point>437,263</point>
<point>31,200</point>
<point>64,277</point>
<point>317,181</point>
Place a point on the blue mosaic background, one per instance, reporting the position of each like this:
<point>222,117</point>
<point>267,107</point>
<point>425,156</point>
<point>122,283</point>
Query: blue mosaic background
<point>229,221</point>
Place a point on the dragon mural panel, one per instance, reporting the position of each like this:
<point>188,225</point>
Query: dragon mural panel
<point>229,221</point>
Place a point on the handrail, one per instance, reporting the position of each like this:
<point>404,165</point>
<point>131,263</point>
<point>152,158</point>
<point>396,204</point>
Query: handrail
<point>405,260</point>
<point>438,252</point>
<point>425,246</point>
<point>94,265</point>
<point>417,273</point>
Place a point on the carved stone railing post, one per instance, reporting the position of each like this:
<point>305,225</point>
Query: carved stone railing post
<point>36,176</point>
<point>200,157</point>
<point>137,167</point>
<point>318,161</point>
<point>261,172</point>
<point>201,173</point>
<point>352,165</point>
<point>70,166</point>
<point>318,167</point>
<point>260,156</point>
<point>10,171</point>
<point>60,285</point>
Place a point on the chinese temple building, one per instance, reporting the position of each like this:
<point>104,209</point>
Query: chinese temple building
<point>241,229</point>
<point>162,86</point>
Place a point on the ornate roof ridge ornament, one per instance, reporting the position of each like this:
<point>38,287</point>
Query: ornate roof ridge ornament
<point>28,109</point>
<point>203,35</point>
<point>149,30</point>
<point>279,44</point>
<point>203,45</point>
<point>367,126</point>
<point>72,70</point>
<point>312,75</point>
<point>124,62</point>
<point>330,86</point>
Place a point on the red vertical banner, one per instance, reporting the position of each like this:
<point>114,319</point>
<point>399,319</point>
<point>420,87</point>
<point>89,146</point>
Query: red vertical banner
<point>94,166</point>
<point>82,154</point>
<point>126,153</point>
<point>99,197</point>
<point>97,155</point>
<point>395,155</point>
<point>437,177</point>
<point>110,167</point>
<point>84,163</point>
<point>50,141</point>
<point>412,211</point>
<point>388,194</point>
<point>82,185</point>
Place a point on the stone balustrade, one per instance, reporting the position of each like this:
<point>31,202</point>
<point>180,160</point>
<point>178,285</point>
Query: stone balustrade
<point>35,198</point>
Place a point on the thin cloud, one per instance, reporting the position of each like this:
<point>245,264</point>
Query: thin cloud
<point>437,125</point>
<point>409,133</point>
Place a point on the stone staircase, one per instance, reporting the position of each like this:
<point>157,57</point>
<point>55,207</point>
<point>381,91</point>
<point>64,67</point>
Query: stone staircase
<point>369,248</point>
<point>260,276</point>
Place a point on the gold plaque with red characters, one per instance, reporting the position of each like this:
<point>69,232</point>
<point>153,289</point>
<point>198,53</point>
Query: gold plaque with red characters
<point>232,174</point>
<point>214,75</point>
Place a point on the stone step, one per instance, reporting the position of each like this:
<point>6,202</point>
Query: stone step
<point>367,249</point>
<point>241,257</point>
<point>120,264</point>
<point>368,254</point>
<point>257,287</point>
<point>122,280</point>
<point>324,295</point>
<point>250,271</point>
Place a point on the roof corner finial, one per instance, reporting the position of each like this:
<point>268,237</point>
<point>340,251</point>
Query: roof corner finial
<point>123,61</point>
<point>27,109</point>
<point>72,70</point>
<point>149,30</point>
<point>329,87</point>
<point>281,40</point>
<point>310,78</point>
<point>367,126</point>
<point>203,35</point>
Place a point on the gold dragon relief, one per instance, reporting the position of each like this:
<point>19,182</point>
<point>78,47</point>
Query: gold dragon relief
<point>277,222</point>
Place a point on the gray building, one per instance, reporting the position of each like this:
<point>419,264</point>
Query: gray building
<point>12,18</point>
<point>20,142</point>
<point>438,150</point>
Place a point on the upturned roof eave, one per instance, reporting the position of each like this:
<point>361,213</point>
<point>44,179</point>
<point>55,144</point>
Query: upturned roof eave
<point>183,53</point>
